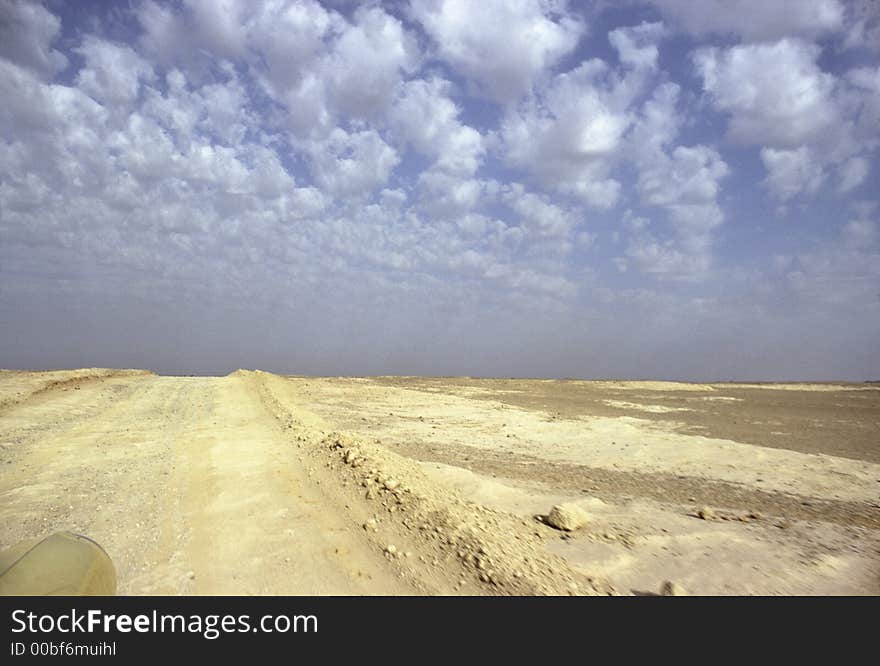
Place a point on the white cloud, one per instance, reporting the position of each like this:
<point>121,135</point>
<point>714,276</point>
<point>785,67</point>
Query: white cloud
<point>659,121</point>
<point>842,272</point>
<point>289,38</point>
<point>27,32</point>
<point>340,69</point>
<point>663,260</point>
<point>790,172</point>
<point>367,61</point>
<point>569,135</point>
<point>221,109</point>
<point>865,29</point>
<point>689,175</point>
<point>113,73</point>
<point>527,279</point>
<point>392,200</point>
<point>865,82</point>
<point>462,152</point>
<point>220,25</point>
<point>866,78</point>
<point>290,156</point>
<point>199,31</point>
<point>598,192</point>
<point>537,215</point>
<point>443,195</point>
<point>755,19</point>
<point>659,258</point>
<point>776,93</point>
<point>853,173</point>
<point>58,127</point>
<point>578,129</point>
<point>317,63</point>
<point>637,45</point>
<point>424,115</point>
<point>163,34</point>
<point>502,46</point>
<point>145,149</point>
<point>351,164</point>
<point>808,122</point>
<point>684,181</point>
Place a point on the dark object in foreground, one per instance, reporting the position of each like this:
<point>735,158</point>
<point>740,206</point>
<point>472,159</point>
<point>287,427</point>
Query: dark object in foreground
<point>61,564</point>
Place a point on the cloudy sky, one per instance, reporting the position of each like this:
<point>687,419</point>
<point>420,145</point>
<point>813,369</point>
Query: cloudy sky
<point>663,188</point>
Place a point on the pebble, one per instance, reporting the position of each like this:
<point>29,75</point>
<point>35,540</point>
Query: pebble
<point>670,589</point>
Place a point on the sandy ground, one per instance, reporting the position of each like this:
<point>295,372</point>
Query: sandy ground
<point>258,484</point>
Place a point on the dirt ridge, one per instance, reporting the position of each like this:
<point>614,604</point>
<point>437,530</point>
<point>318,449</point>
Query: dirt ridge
<point>83,376</point>
<point>502,552</point>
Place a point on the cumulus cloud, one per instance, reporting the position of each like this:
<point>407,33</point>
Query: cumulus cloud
<point>807,121</point>
<point>443,195</point>
<point>775,93</point>
<point>688,176</point>
<point>424,115</point>
<point>569,134</point>
<point>683,181</point>
<point>221,109</point>
<point>755,20</point>
<point>538,215</point>
<point>352,163</point>
<point>355,77</point>
<point>321,65</point>
<point>502,46</point>
<point>637,45</point>
<point>112,74</point>
<point>431,173</point>
<point>657,257</point>
<point>27,32</point>
<point>367,61</point>
<point>790,172</point>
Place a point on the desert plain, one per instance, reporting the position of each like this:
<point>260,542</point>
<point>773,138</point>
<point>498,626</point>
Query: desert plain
<point>256,483</point>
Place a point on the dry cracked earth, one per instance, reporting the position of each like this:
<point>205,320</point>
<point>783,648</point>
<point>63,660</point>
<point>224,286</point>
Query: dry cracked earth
<point>255,483</point>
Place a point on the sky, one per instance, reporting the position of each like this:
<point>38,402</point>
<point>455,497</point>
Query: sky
<point>634,189</point>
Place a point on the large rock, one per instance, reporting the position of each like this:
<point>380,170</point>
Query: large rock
<point>567,517</point>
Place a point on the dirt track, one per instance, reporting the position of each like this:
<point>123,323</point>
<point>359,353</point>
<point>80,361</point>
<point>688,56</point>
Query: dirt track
<point>189,483</point>
<point>240,485</point>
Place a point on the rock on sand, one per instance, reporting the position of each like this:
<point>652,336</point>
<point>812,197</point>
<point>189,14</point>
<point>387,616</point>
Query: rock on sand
<point>567,517</point>
<point>670,589</point>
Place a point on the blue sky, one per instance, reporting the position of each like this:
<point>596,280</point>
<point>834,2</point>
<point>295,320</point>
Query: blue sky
<point>665,188</point>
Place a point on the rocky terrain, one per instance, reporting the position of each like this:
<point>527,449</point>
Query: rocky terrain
<point>255,483</point>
